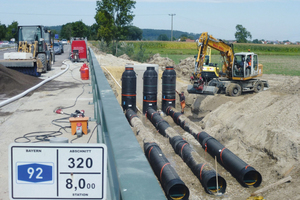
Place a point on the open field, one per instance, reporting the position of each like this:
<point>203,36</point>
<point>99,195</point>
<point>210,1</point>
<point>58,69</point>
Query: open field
<point>276,59</point>
<point>182,48</point>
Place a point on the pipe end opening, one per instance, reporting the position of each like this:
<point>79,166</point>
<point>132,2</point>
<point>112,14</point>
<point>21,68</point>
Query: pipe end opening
<point>252,178</point>
<point>212,185</point>
<point>178,192</point>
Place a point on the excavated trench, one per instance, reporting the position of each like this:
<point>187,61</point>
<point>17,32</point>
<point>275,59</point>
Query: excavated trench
<point>253,126</point>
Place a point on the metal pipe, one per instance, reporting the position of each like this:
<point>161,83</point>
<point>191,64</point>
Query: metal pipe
<point>205,174</point>
<point>174,187</point>
<point>243,172</point>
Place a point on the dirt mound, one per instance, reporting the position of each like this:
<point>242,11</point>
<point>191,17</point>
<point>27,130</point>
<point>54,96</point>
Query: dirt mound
<point>262,129</point>
<point>185,67</point>
<point>161,61</point>
<point>13,82</point>
<point>125,56</point>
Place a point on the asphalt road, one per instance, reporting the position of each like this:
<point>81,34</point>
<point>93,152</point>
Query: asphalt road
<point>34,112</point>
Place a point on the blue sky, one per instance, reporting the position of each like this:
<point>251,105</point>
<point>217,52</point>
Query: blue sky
<point>264,19</point>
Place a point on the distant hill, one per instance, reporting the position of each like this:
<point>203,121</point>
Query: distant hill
<point>55,28</point>
<point>152,34</point>
<point>149,34</point>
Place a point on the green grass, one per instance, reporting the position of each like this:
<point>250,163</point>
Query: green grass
<point>276,59</point>
<point>273,64</point>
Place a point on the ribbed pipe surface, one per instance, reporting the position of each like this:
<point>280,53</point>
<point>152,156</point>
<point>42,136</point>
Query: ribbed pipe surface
<point>150,89</point>
<point>205,174</point>
<point>244,173</point>
<point>168,88</point>
<point>129,89</point>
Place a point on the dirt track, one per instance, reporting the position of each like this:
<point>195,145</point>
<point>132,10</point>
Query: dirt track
<point>261,128</point>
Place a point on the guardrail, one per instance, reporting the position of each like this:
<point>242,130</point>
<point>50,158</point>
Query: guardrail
<point>129,173</point>
<point>7,46</point>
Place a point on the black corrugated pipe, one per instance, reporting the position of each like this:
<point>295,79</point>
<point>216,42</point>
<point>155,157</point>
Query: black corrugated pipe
<point>174,187</point>
<point>168,88</point>
<point>205,174</point>
<point>129,89</point>
<point>244,173</point>
<point>150,89</point>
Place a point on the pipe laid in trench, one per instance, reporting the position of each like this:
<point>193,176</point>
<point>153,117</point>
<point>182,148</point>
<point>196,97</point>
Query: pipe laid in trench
<point>174,187</point>
<point>244,173</point>
<point>205,174</point>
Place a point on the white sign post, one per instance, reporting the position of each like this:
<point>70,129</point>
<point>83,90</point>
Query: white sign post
<point>57,171</point>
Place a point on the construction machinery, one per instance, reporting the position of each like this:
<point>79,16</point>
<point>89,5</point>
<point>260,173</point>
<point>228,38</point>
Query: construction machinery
<point>32,56</point>
<point>240,71</point>
<point>78,49</point>
<point>209,70</point>
<point>49,42</point>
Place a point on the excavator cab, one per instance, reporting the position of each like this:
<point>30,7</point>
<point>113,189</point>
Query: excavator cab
<point>245,66</point>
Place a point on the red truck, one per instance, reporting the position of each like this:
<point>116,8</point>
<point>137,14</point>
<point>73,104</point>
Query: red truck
<point>79,50</point>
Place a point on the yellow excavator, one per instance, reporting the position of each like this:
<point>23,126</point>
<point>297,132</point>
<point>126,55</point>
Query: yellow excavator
<point>209,70</point>
<point>240,71</point>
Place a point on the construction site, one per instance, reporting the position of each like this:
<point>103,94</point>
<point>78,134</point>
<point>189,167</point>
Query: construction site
<point>261,129</point>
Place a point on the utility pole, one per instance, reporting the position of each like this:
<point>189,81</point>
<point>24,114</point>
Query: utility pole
<point>172,25</point>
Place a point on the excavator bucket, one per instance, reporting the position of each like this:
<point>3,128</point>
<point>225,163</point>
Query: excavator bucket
<point>211,90</point>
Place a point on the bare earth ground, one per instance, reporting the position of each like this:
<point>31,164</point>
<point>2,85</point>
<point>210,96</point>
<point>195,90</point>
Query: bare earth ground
<point>261,128</point>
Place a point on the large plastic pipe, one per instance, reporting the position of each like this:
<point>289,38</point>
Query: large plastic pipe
<point>244,173</point>
<point>150,89</point>
<point>206,175</point>
<point>168,88</point>
<point>129,89</point>
<point>174,187</point>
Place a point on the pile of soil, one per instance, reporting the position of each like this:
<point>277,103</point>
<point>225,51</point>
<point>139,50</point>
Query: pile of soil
<point>125,56</point>
<point>185,67</point>
<point>13,82</point>
<point>162,62</point>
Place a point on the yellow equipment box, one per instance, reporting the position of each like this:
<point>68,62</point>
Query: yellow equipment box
<point>82,120</point>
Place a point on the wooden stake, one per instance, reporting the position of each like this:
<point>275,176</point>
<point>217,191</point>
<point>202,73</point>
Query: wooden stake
<point>217,174</point>
<point>272,185</point>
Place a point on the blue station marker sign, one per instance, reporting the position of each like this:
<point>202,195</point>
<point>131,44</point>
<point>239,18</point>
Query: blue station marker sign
<point>57,171</point>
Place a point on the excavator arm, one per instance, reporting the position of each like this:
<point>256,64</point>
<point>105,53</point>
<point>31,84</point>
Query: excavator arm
<point>225,50</point>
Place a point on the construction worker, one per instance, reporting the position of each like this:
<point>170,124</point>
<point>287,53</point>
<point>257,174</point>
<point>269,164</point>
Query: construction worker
<point>182,100</point>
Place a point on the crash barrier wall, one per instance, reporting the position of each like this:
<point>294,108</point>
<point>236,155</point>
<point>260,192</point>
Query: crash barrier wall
<point>244,173</point>
<point>129,173</point>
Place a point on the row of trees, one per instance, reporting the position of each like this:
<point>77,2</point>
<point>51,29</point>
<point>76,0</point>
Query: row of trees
<point>113,24</point>
<point>79,29</point>
<point>7,33</point>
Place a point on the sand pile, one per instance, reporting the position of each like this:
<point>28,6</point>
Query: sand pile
<point>186,67</point>
<point>13,82</point>
<point>161,61</point>
<point>125,56</point>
